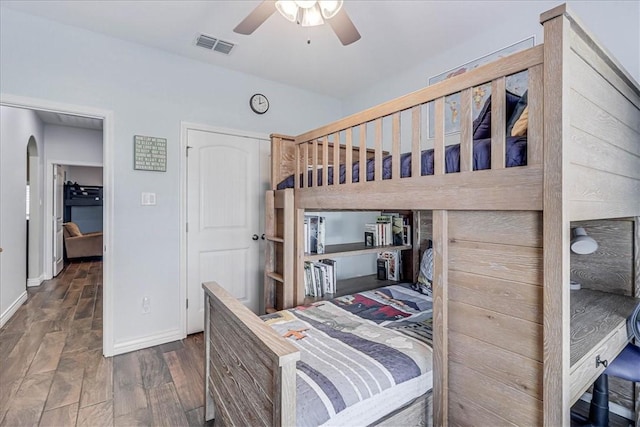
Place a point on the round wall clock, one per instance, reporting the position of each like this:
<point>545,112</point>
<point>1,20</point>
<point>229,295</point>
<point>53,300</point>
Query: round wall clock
<point>259,103</point>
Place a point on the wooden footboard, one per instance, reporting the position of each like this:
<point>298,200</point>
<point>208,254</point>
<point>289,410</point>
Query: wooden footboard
<point>250,370</point>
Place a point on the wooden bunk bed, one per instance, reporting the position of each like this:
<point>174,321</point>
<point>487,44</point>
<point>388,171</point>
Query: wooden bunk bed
<point>502,306</point>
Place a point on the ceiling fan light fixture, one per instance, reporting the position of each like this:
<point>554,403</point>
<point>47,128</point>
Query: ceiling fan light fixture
<point>330,8</point>
<point>305,4</point>
<point>312,17</point>
<point>288,9</point>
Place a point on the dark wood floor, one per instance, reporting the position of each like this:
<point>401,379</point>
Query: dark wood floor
<point>52,372</point>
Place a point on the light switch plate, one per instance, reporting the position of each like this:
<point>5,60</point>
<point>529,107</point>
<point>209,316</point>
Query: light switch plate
<point>148,199</point>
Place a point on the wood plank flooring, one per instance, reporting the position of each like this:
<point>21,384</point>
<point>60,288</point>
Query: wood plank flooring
<point>52,372</point>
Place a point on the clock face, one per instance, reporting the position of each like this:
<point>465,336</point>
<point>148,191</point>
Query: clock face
<point>259,103</point>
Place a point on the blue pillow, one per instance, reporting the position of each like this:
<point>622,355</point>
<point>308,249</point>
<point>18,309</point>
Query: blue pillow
<point>482,125</point>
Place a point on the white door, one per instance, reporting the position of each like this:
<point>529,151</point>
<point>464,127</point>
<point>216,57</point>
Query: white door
<point>223,202</point>
<point>58,211</point>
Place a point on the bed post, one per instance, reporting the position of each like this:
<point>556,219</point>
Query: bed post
<point>209,406</point>
<point>440,317</point>
<point>556,357</point>
<point>283,156</point>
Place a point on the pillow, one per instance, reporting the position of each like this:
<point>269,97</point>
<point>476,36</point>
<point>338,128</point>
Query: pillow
<point>425,278</point>
<point>482,125</point>
<point>517,112</point>
<point>520,127</point>
<point>72,229</point>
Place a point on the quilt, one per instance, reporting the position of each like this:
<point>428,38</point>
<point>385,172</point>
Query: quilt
<point>361,357</point>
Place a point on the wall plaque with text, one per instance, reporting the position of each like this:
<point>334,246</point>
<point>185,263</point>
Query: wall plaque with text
<point>149,153</point>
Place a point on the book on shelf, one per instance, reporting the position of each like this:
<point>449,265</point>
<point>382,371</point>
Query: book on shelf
<point>306,234</point>
<point>389,229</point>
<point>372,231</point>
<point>393,264</point>
<point>314,234</point>
<point>381,270</point>
<point>385,229</point>
<point>320,277</point>
<point>406,234</point>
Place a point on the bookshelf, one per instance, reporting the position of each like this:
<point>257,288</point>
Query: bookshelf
<point>285,255</point>
<point>355,284</point>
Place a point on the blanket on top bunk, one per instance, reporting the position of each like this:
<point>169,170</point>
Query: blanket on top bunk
<point>356,365</point>
<point>516,155</point>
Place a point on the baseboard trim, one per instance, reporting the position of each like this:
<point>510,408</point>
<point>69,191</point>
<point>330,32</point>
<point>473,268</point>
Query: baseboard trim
<point>150,341</point>
<point>614,408</point>
<point>35,282</point>
<point>9,312</point>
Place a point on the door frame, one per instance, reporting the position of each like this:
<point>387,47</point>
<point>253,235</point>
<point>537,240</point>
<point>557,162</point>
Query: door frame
<point>184,128</point>
<point>107,118</point>
<point>49,232</point>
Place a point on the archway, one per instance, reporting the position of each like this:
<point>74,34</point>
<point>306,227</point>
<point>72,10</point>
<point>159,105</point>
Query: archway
<point>34,215</point>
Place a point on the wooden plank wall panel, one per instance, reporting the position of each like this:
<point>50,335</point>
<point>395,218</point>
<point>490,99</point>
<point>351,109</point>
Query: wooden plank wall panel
<point>425,229</point>
<point>604,147</point>
<point>499,261</point>
<point>506,332</point>
<point>521,372</point>
<point>503,296</point>
<point>494,396</point>
<point>610,268</point>
<point>495,339</point>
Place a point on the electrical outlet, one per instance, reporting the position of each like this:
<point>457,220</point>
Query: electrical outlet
<point>146,305</point>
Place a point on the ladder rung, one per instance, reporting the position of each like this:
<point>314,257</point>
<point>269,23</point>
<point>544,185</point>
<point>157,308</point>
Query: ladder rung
<point>276,276</point>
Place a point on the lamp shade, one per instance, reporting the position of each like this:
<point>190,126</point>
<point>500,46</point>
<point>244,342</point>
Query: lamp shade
<point>329,8</point>
<point>581,243</point>
<point>288,9</point>
<point>311,17</point>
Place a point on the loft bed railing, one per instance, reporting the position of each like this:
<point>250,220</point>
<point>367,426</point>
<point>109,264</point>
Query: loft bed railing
<point>345,141</point>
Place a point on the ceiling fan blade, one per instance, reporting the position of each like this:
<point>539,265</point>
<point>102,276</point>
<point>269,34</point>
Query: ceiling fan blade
<point>256,17</point>
<point>344,28</point>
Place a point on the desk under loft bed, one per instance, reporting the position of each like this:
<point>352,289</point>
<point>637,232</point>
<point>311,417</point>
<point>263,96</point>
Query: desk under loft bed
<point>502,351</point>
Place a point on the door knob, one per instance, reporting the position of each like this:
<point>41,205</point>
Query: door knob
<point>255,237</point>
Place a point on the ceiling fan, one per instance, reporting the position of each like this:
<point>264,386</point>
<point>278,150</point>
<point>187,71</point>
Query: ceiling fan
<point>307,13</point>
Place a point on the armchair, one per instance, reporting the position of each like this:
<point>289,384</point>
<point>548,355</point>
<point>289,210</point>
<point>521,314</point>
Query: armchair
<point>79,245</point>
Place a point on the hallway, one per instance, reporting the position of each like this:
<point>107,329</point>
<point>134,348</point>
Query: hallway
<point>53,373</point>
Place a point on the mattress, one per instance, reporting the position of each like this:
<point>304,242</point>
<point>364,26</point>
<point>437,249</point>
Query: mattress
<point>516,155</point>
<point>363,356</point>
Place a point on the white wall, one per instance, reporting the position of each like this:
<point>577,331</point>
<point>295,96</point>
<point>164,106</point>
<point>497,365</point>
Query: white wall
<point>149,92</point>
<point>18,126</point>
<point>70,145</point>
<point>615,24</point>
<point>85,175</point>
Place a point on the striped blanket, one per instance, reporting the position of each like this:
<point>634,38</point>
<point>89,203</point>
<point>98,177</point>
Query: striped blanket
<point>356,363</point>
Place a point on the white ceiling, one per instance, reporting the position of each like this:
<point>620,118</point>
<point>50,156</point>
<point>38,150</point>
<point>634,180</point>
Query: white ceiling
<point>61,119</point>
<point>396,35</point>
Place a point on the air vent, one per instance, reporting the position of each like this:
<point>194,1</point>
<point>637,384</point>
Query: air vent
<point>223,47</point>
<point>213,43</point>
<point>206,41</point>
